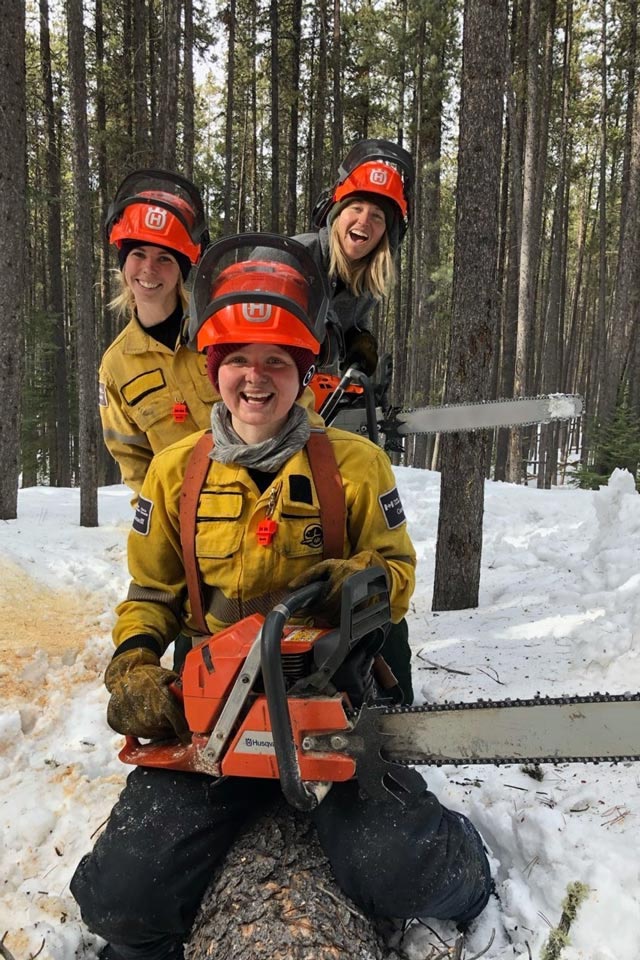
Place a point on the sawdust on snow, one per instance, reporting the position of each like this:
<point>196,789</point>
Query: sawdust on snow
<point>36,618</point>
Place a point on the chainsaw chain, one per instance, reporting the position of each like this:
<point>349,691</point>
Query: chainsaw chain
<point>536,701</point>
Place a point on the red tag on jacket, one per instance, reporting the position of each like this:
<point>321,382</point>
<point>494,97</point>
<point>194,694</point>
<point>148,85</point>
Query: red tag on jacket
<point>267,530</point>
<point>180,412</point>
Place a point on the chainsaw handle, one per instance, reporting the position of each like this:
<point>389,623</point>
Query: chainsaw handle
<point>294,789</point>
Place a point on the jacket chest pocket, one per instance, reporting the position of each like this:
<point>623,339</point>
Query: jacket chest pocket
<point>299,531</point>
<point>148,399</point>
<point>204,388</point>
<point>220,525</point>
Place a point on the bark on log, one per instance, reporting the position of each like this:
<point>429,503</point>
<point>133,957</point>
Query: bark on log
<point>274,898</point>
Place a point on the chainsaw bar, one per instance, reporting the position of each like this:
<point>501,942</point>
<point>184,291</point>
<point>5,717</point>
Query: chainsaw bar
<point>484,415</point>
<point>576,729</point>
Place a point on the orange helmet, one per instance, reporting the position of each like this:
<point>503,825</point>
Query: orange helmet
<point>158,207</point>
<point>377,167</point>
<point>273,294</point>
<point>375,176</point>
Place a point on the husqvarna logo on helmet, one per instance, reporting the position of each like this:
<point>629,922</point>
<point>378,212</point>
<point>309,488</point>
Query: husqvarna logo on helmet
<point>155,218</point>
<point>256,312</point>
<point>379,177</point>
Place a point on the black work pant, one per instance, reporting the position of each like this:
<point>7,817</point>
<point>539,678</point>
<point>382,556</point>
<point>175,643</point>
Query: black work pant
<point>142,884</point>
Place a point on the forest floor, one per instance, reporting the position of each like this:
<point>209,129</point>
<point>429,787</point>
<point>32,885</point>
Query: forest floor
<point>36,618</point>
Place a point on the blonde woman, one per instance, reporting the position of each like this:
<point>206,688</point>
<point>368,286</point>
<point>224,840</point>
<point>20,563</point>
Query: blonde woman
<point>153,389</point>
<point>360,223</point>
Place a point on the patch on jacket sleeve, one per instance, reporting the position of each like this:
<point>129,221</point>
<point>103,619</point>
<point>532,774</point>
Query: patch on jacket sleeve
<point>142,516</point>
<point>392,508</point>
<point>103,400</point>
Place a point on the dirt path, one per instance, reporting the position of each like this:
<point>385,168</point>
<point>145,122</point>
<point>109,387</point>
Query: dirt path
<point>33,618</point>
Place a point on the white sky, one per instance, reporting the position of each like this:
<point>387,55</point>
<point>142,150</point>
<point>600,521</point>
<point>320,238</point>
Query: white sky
<point>559,612</point>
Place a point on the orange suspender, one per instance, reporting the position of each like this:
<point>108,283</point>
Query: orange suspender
<point>328,484</point>
<point>194,477</point>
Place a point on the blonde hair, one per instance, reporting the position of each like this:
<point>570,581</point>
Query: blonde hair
<point>124,303</point>
<point>374,274</point>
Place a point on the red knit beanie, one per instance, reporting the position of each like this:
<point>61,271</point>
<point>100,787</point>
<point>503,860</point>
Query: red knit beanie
<point>304,360</point>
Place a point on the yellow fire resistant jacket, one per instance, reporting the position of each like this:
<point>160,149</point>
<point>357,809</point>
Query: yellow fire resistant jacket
<point>240,576</point>
<point>142,385</point>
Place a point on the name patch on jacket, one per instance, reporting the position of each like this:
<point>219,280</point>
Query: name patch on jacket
<point>142,516</point>
<point>392,509</point>
<point>141,386</point>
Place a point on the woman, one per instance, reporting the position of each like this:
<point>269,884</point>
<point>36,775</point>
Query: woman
<point>360,223</point>
<point>153,390</point>
<point>262,325</point>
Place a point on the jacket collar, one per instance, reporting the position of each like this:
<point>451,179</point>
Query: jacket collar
<point>137,340</point>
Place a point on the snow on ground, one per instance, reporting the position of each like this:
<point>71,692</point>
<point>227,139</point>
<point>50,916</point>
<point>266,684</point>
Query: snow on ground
<point>558,613</point>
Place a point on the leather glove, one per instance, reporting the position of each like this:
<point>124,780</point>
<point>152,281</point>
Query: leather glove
<point>361,351</point>
<point>335,572</point>
<point>141,703</point>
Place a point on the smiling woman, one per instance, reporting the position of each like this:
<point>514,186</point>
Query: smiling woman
<point>260,527</point>
<point>152,275</point>
<point>153,390</point>
<point>258,384</point>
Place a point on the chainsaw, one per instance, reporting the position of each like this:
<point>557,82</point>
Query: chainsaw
<point>262,699</point>
<point>354,403</point>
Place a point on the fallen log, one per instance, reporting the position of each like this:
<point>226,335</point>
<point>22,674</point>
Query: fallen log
<point>274,898</point>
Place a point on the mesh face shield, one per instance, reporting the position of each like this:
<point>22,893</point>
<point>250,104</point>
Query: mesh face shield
<point>365,154</point>
<point>160,207</point>
<point>258,288</point>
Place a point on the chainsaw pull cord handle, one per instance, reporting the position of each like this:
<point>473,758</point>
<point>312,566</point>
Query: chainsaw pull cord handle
<point>295,791</point>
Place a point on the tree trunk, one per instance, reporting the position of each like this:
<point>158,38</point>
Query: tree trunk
<point>318,109</point>
<point>85,321</point>
<point>108,470</point>
<point>275,119</point>
<point>140,108</point>
<point>230,18</point>
<point>13,215</point>
<point>627,299</point>
<point>553,346</point>
<point>291,203</point>
<point>432,48</point>
<point>60,467</point>
<point>528,264</point>
<point>607,376</point>
<point>509,272</point>
<point>459,547</point>
<point>170,84</point>
<point>188,125</point>
<point>274,898</point>
<point>337,139</point>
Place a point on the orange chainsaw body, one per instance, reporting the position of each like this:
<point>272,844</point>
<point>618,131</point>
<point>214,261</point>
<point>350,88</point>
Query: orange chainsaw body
<point>210,675</point>
<point>324,385</point>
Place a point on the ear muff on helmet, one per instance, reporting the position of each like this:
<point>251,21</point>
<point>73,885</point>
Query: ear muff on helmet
<point>161,208</point>
<point>258,288</point>
<point>377,167</point>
